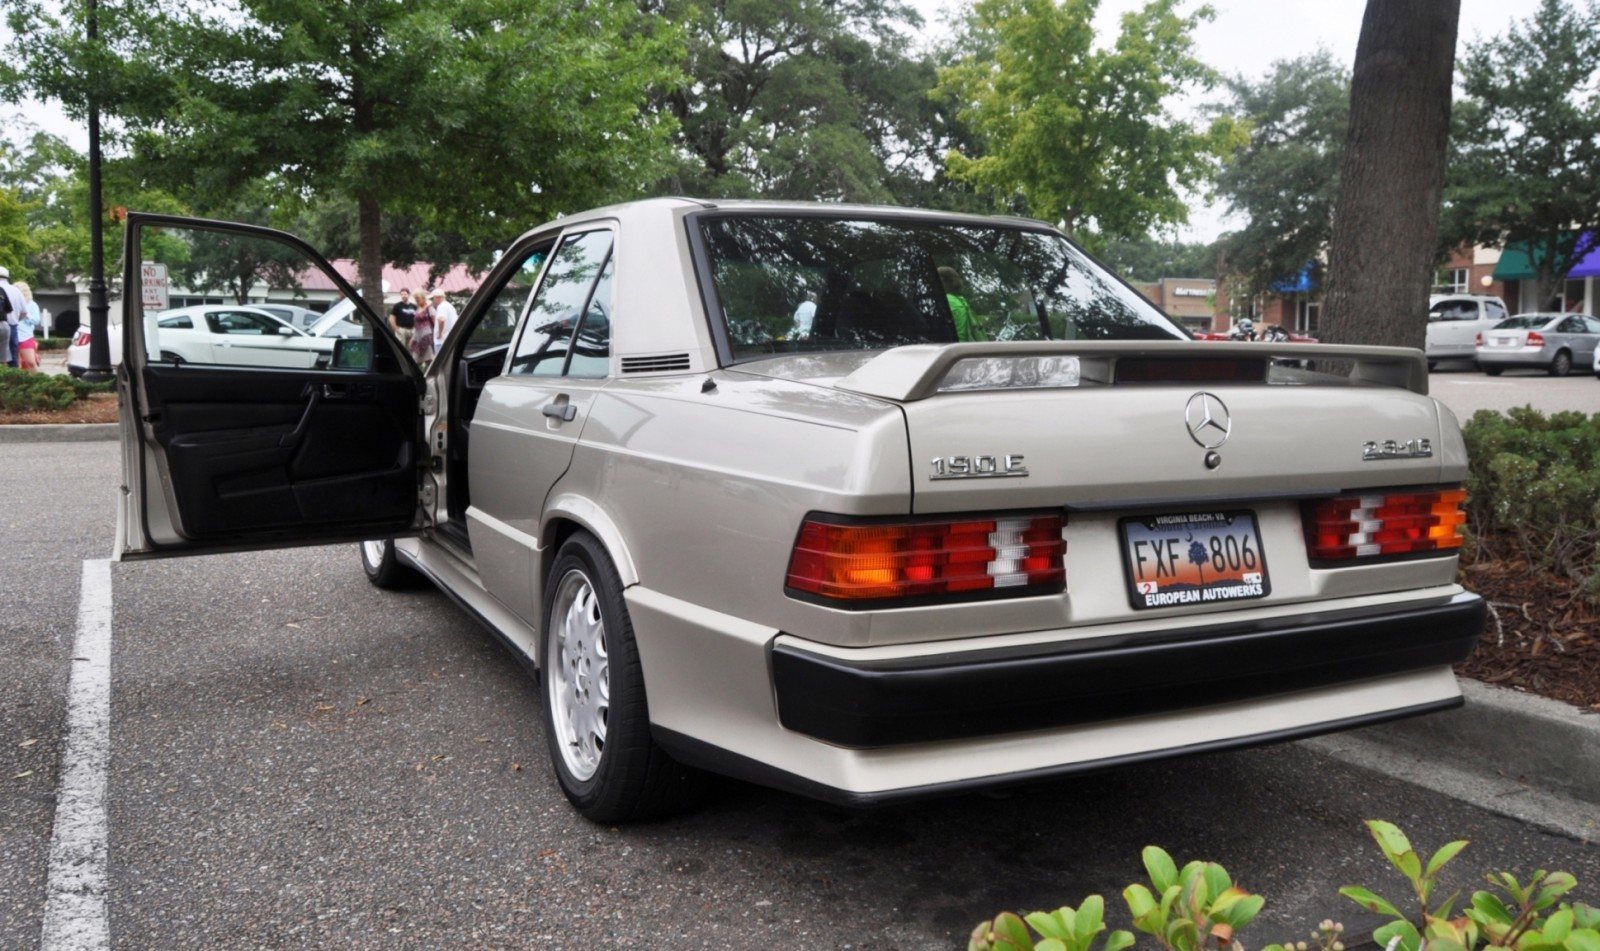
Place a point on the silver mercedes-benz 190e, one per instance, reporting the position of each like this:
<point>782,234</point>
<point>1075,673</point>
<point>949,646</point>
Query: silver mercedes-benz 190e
<point>864,503</point>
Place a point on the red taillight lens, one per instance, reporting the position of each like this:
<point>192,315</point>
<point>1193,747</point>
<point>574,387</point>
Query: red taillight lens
<point>80,339</point>
<point>1384,524</point>
<point>1535,339</point>
<point>881,561</point>
<point>1479,340</point>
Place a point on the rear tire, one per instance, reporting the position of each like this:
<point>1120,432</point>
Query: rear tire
<point>596,717</point>
<point>1562,364</point>
<point>1432,364</point>
<point>1494,371</point>
<point>384,569</point>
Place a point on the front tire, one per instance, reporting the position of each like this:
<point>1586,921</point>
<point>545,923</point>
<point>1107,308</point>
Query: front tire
<point>596,718</point>
<point>384,569</point>
<point>1562,364</point>
<point>1494,371</point>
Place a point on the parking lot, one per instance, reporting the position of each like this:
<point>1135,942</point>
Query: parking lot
<point>296,758</point>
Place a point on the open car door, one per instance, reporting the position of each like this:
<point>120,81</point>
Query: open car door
<point>231,452</point>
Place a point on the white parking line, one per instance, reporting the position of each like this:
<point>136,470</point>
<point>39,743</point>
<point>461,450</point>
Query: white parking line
<point>75,902</point>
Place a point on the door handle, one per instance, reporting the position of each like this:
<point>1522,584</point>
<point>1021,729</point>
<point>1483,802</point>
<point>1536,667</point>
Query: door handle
<point>565,412</point>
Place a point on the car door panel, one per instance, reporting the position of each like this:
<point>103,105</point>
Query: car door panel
<point>250,453</point>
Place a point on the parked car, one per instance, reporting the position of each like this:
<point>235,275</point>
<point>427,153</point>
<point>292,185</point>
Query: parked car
<point>78,349</point>
<point>1456,320</point>
<point>296,316</point>
<point>1549,342</point>
<point>1269,333</point>
<point>233,334</point>
<point>853,558</point>
<point>1597,362</point>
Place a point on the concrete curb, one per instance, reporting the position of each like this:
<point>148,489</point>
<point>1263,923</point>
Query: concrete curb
<point>1509,752</point>
<point>58,432</point>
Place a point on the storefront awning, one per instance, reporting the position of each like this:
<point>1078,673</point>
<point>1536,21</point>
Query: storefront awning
<point>1300,283</point>
<point>1517,265</point>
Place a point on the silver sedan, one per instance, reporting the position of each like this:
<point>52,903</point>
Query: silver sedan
<point>1550,342</point>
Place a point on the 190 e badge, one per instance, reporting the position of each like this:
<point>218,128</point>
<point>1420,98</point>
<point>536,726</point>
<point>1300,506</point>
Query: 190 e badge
<point>1007,466</point>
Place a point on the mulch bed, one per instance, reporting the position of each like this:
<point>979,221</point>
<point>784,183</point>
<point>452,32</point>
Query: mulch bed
<point>1541,636</point>
<point>94,408</point>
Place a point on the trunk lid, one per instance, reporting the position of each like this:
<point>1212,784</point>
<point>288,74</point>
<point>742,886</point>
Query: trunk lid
<point>1118,436</point>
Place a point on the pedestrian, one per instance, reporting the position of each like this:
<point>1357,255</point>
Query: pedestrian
<point>421,345</point>
<point>27,346</point>
<point>804,316</point>
<point>444,318</point>
<point>12,307</point>
<point>968,327</point>
<point>403,317</point>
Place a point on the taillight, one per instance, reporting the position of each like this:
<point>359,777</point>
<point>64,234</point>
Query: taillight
<point>1535,339</point>
<point>1479,340</point>
<point>865,563</point>
<point>1384,524</point>
<point>80,339</point>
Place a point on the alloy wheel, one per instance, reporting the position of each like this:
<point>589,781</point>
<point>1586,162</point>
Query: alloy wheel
<point>579,675</point>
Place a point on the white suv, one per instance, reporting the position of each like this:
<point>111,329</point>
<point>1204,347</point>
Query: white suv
<point>1454,322</point>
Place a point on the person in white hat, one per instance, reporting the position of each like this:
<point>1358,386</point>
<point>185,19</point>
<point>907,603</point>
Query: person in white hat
<point>13,307</point>
<point>444,317</point>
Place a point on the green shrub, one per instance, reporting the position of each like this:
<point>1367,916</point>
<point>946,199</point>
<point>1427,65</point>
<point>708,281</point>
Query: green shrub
<point>1534,486</point>
<point>1200,909</point>
<point>22,391</point>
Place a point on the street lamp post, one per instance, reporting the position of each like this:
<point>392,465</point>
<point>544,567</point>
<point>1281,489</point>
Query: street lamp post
<point>99,369</point>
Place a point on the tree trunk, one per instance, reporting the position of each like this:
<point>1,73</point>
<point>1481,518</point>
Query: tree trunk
<point>1386,216</point>
<point>369,227</point>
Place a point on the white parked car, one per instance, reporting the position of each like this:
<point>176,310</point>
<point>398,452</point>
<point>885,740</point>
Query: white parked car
<point>234,334</point>
<point>1456,320</point>
<point>78,350</point>
<point>872,559</point>
<point>293,314</point>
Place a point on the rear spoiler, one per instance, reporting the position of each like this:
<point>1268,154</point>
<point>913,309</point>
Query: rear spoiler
<point>914,372</point>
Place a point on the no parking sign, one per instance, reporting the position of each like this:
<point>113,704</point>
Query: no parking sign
<point>153,286</point>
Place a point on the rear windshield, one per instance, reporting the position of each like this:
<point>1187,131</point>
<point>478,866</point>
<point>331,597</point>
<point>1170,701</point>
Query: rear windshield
<point>1525,322</point>
<point>804,284</point>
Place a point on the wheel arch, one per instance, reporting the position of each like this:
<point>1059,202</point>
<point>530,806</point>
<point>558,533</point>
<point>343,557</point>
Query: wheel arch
<point>568,513</point>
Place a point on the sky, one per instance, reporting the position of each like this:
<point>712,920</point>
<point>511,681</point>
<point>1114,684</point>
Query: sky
<point>1244,38</point>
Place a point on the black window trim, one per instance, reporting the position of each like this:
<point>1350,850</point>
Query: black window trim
<point>712,305</point>
<point>586,227</point>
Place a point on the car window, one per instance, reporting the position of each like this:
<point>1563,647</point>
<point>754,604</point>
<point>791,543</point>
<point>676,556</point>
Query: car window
<point>243,323</point>
<point>177,322</point>
<point>1592,324</point>
<point>558,304</point>
<point>1572,325</point>
<point>1494,310</point>
<point>591,352</point>
<point>1454,310</point>
<point>1523,322</point>
<point>500,316</point>
<point>818,283</point>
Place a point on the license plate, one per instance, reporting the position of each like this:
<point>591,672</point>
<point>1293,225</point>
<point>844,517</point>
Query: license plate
<point>1505,341</point>
<point>1193,558</point>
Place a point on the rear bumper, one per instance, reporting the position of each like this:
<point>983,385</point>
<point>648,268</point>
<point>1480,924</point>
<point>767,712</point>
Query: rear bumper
<point>1515,357</point>
<point>866,704</point>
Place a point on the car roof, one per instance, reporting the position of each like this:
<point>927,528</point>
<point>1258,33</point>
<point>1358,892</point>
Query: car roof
<point>648,205</point>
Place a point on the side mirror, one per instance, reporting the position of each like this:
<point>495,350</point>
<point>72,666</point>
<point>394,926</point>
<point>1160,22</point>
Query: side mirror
<point>353,353</point>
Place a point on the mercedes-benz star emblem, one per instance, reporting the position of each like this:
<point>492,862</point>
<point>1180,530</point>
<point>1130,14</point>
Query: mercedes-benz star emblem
<point>1208,421</point>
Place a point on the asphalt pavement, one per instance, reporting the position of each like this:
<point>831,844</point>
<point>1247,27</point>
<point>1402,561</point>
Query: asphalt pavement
<point>1466,391</point>
<point>300,759</point>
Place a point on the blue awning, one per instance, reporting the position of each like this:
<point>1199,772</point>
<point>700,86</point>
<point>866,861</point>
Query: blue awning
<point>1300,283</point>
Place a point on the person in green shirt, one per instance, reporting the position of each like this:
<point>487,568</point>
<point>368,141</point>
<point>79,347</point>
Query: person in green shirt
<point>968,329</point>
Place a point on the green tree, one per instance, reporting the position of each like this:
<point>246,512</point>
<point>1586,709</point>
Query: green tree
<point>1283,181</point>
<point>16,244</point>
<point>803,99</point>
<point>1150,259</point>
<point>1391,174</point>
<point>1083,133</point>
<point>475,118</point>
<point>1526,168</point>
